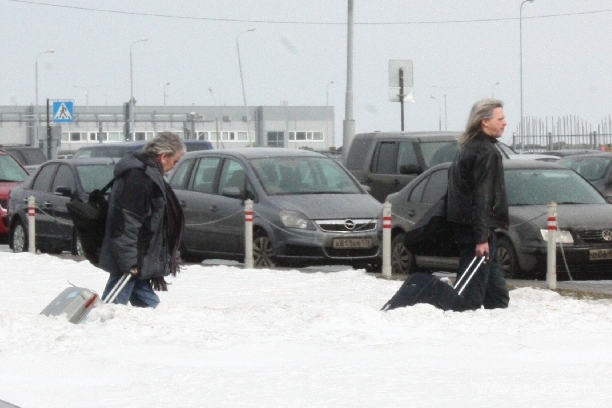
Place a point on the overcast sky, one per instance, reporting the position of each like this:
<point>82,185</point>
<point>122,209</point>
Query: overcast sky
<point>299,47</point>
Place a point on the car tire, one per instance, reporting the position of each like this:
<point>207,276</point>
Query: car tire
<point>19,238</point>
<point>263,252</point>
<point>77,248</point>
<point>188,257</point>
<point>506,256</point>
<point>402,260</point>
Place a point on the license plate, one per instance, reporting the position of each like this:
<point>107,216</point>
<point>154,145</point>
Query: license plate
<point>352,242</point>
<point>600,254</point>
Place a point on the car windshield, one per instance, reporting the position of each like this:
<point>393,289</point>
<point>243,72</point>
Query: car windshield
<point>592,168</point>
<point>111,151</point>
<point>303,175</point>
<point>541,186</point>
<point>439,152</point>
<point>94,176</point>
<point>10,170</point>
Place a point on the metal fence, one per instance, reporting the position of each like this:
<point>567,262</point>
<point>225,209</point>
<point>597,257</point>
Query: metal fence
<point>567,132</point>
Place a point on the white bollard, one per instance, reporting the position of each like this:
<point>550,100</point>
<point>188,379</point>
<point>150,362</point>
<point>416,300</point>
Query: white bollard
<point>551,256</point>
<point>386,240</point>
<point>248,234</point>
<point>31,224</point>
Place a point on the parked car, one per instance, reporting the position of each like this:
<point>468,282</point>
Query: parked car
<point>53,184</point>
<point>387,161</point>
<point>308,209</point>
<point>119,149</point>
<point>509,153</point>
<point>30,157</point>
<point>595,167</point>
<point>583,215</point>
<point>569,152</point>
<point>12,173</point>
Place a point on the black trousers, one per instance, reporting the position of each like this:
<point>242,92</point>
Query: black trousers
<point>488,287</point>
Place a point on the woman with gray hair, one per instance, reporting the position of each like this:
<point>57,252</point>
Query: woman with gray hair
<point>477,203</point>
<point>144,223</point>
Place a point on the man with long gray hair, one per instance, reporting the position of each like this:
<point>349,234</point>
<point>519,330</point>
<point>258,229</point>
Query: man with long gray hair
<point>144,223</point>
<point>477,203</point>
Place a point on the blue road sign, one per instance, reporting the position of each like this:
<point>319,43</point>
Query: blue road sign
<point>63,111</point>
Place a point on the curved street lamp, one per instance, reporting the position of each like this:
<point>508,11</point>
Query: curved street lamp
<point>246,108</point>
<point>439,112</point>
<point>493,90</point>
<point>132,88</point>
<point>165,93</point>
<point>444,88</point>
<point>86,90</point>
<point>327,94</point>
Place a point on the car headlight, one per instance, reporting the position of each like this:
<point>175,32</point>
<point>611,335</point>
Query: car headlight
<point>563,237</point>
<point>292,219</point>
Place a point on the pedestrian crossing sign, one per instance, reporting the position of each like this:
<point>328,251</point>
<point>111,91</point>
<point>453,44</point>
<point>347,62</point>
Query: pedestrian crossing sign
<point>63,111</point>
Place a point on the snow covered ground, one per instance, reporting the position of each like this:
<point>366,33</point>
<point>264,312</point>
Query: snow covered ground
<point>229,337</point>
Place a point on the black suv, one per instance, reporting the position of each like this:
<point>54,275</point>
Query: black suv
<point>30,157</point>
<point>387,161</point>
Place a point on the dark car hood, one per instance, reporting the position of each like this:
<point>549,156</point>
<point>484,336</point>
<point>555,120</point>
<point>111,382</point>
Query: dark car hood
<point>330,206</point>
<point>569,216</point>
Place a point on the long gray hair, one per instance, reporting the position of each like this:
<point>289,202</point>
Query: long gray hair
<point>481,110</point>
<point>164,142</point>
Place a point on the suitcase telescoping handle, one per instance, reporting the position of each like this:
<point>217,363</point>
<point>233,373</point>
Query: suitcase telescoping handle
<point>112,295</point>
<point>467,272</point>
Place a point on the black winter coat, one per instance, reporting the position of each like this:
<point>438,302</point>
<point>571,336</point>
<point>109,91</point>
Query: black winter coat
<point>476,188</point>
<point>135,228</point>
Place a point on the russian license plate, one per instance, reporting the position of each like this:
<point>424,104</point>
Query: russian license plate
<point>352,242</point>
<point>600,254</point>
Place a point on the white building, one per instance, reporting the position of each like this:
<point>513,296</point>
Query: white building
<point>309,127</point>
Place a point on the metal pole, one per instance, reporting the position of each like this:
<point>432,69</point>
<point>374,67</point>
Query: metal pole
<point>246,108</point>
<point>401,96</point>
<point>522,130</point>
<point>439,112</point>
<point>31,224</point>
<point>33,142</point>
<point>216,116</point>
<point>348,131</point>
<point>493,90</point>
<point>386,240</point>
<point>327,94</point>
<point>551,256</point>
<point>444,88</point>
<point>132,115</point>
<point>86,90</point>
<point>165,94</point>
<point>248,234</point>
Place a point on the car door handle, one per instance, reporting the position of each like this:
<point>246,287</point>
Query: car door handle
<point>397,182</point>
<point>183,203</point>
<point>47,204</point>
<point>411,213</point>
<point>213,208</point>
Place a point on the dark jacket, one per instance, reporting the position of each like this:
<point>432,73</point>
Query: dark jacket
<point>476,188</point>
<point>135,228</point>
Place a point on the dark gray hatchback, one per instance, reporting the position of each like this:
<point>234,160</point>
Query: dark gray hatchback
<point>308,209</point>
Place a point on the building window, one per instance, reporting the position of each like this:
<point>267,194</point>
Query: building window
<point>203,136</point>
<point>114,136</point>
<point>65,136</point>
<point>276,139</point>
<point>306,136</point>
<point>93,136</point>
<point>75,136</point>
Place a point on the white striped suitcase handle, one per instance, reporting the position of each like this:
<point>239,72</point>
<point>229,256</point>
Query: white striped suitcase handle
<point>112,295</point>
<point>471,274</point>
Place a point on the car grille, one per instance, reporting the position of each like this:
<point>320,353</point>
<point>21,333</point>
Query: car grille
<point>347,225</point>
<point>594,236</point>
<point>577,270</point>
<point>351,253</point>
<point>304,251</point>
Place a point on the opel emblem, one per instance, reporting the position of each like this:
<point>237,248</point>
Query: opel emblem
<point>606,235</point>
<point>350,225</point>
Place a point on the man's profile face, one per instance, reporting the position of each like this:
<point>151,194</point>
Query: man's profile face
<point>494,126</point>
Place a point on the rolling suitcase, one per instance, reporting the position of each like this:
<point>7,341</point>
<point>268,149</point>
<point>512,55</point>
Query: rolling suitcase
<point>425,288</point>
<point>75,302</point>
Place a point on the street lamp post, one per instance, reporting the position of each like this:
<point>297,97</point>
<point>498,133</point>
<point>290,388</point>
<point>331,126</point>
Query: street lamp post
<point>132,88</point>
<point>216,116</point>
<point>327,94</point>
<point>165,93</point>
<point>493,90</point>
<point>246,108</point>
<point>521,66</point>
<point>36,86</point>
<point>444,88</point>
<point>439,112</point>
<point>86,90</point>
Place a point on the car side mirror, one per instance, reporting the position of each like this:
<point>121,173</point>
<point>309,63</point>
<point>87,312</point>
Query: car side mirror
<point>63,191</point>
<point>410,169</point>
<point>232,192</point>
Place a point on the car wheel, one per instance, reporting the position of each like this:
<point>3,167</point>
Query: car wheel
<point>263,253</point>
<point>402,260</point>
<point>188,257</point>
<point>506,256</point>
<point>19,238</point>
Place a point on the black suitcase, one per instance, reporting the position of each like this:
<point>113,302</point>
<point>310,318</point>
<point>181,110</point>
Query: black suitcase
<point>425,288</point>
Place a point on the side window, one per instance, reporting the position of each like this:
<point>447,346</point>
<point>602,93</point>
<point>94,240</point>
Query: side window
<point>406,155</point>
<point>44,178</point>
<point>385,158</point>
<point>181,175</point>
<point>204,175</point>
<point>417,192</point>
<point>64,178</point>
<point>232,175</point>
<point>436,186</point>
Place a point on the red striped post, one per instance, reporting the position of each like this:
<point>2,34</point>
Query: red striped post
<point>386,240</point>
<point>248,234</point>
<point>31,224</point>
<point>551,256</point>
